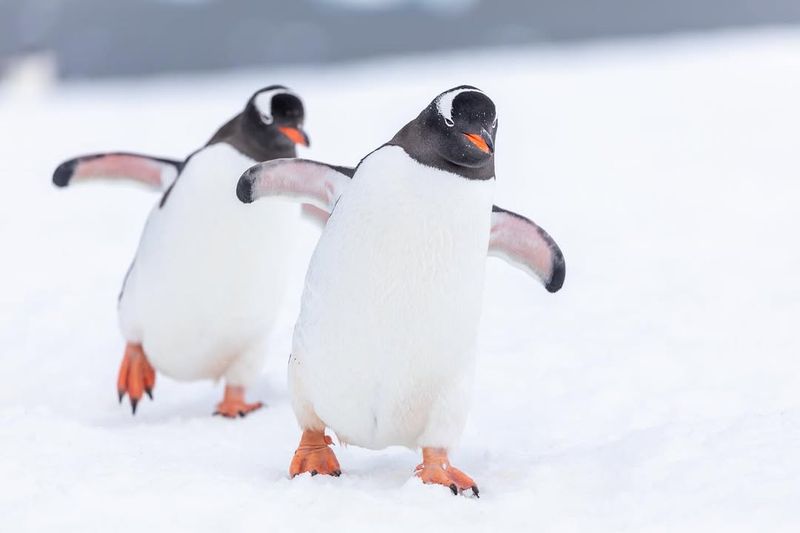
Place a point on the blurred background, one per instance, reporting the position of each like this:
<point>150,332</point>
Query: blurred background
<point>101,38</point>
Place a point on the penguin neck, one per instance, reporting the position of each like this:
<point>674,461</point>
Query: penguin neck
<point>411,138</point>
<point>234,133</point>
<point>258,152</point>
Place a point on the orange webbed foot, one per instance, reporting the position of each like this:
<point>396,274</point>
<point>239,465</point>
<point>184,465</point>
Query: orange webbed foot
<point>136,375</point>
<point>233,404</point>
<point>436,469</point>
<point>315,456</point>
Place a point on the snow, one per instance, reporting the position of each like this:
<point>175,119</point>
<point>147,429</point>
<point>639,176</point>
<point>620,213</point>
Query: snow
<point>657,392</point>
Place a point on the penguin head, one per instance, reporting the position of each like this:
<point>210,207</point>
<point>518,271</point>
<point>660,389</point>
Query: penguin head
<point>460,125</point>
<point>274,117</point>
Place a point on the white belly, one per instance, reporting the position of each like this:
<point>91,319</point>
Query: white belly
<point>208,278</point>
<point>392,300</point>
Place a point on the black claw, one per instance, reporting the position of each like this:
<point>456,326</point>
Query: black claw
<point>337,473</point>
<point>149,393</point>
<point>475,491</point>
<point>454,488</point>
<point>134,401</point>
<point>121,395</point>
<point>242,414</point>
<point>314,473</point>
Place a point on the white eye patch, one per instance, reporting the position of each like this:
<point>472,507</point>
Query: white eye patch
<point>444,103</point>
<point>263,103</point>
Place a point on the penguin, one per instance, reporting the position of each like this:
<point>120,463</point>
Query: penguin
<point>198,301</point>
<point>384,347</point>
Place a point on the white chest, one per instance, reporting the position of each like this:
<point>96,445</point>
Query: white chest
<point>209,273</point>
<point>393,295</point>
<point>407,234</point>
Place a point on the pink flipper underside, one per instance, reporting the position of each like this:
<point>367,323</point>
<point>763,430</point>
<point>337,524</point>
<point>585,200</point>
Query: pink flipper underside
<point>140,169</point>
<point>314,184</point>
<point>519,241</point>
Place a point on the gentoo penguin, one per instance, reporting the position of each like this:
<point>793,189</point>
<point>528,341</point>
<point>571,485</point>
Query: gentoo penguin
<point>199,300</point>
<point>384,347</point>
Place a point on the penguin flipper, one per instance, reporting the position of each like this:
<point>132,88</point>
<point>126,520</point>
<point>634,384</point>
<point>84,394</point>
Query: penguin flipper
<point>316,185</point>
<point>156,172</point>
<point>527,246</point>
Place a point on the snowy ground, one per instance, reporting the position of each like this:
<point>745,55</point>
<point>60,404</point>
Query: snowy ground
<point>659,391</point>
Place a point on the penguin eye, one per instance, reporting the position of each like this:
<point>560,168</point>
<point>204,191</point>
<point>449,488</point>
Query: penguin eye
<point>494,124</point>
<point>266,119</point>
<point>449,122</point>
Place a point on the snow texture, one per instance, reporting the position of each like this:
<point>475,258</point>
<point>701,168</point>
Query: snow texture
<point>658,391</point>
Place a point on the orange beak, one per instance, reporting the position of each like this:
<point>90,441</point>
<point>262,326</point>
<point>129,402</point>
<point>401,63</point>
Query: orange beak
<point>479,141</point>
<point>295,135</point>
